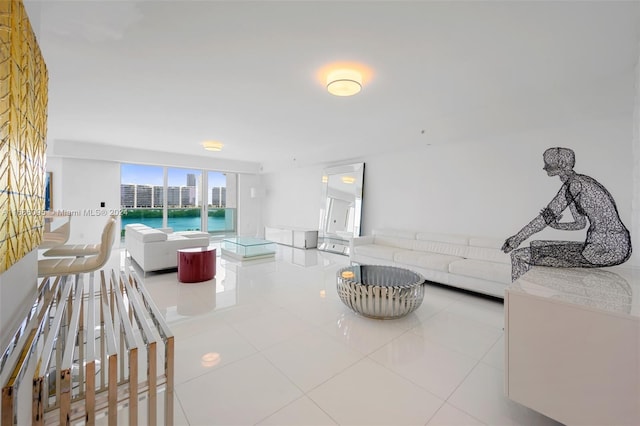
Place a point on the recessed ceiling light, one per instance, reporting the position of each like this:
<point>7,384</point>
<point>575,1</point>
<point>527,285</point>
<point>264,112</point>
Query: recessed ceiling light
<point>212,145</point>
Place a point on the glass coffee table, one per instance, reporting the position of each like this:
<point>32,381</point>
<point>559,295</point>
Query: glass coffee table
<point>248,248</point>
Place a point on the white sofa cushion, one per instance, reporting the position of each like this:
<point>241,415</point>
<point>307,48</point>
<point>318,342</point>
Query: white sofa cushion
<point>444,238</point>
<point>486,242</point>
<point>491,271</point>
<point>488,254</point>
<point>136,225</point>
<point>441,248</point>
<point>192,234</point>
<point>394,242</point>
<point>376,251</point>
<point>407,235</point>
<point>149,235</point>
<point>439,262</point>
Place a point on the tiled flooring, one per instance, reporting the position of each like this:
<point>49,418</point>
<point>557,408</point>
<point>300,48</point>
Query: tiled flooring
<point>270,343</point>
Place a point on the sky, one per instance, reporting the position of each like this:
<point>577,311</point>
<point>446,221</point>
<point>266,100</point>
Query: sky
<point>153,175</point>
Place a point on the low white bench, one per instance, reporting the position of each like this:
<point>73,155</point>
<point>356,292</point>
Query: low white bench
<point>304,238</point>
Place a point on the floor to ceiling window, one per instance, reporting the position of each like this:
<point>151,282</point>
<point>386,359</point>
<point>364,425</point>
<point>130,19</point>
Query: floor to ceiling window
<point>217,213</point>
<point>184,202</point>
<point>141,194</point>
<point>182,199</point>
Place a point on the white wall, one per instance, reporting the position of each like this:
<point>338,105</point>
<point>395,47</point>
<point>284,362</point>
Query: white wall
<point>492,187</point>
<point>292,197</point>
<point>249,208</point>
<point>486,187</point>
<point>80,185</point>
<point>74,149</point>
<point>54,165</point>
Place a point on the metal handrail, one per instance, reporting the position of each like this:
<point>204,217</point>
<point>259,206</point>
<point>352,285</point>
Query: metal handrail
<point>82,368</point>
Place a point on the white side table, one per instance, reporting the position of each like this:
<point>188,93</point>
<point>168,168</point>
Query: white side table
<point>572,341</point>
<point>304,238</point>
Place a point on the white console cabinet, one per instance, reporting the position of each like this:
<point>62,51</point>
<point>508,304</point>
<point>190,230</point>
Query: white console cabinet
<point>572,341</point>
<point>295,237</point>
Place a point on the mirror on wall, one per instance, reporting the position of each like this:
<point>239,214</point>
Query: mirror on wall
<point>341,207</point>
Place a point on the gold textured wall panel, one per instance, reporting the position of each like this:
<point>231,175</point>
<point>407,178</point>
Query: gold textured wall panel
<point>23,125</point>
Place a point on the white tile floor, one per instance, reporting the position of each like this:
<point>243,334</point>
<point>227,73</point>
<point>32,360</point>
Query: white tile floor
<point>270,343</point>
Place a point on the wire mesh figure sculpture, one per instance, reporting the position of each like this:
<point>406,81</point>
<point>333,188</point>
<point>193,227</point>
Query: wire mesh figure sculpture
<point>608,242</point>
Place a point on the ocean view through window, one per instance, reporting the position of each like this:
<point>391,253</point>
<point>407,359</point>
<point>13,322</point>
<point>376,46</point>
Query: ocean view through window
<point>162,197</point>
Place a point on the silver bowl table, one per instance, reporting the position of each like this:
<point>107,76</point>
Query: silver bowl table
<point>381,292</point>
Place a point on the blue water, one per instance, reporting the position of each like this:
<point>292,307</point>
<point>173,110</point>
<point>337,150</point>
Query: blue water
<point>180,223</point>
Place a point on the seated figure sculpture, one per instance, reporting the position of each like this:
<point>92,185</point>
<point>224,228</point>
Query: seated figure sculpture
<point>607,243</point>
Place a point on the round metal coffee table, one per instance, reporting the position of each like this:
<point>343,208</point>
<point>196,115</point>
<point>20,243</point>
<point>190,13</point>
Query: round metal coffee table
<point>382,292</point>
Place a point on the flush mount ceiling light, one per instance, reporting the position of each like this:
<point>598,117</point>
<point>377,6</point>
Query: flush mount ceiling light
<point>348,179</point>
<point>344,82</point>
<point>212,145</point>
<point>344,78</point>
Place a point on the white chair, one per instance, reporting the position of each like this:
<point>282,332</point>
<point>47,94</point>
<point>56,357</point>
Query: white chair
<point>73,250</point>
<point>58,236</point>
<point>76,265</point>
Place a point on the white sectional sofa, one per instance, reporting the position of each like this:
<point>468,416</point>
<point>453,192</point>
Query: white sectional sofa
<point>156,249</point>
<point>467,262</point>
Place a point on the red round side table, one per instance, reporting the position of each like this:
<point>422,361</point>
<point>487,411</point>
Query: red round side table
<point>196,264</point>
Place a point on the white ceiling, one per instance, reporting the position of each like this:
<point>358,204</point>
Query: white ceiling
<point>166,75</point>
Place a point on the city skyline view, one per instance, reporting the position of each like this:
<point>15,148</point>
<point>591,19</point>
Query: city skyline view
<point>144,195</point>
<point>153,175</point>
<point>138,174</point>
